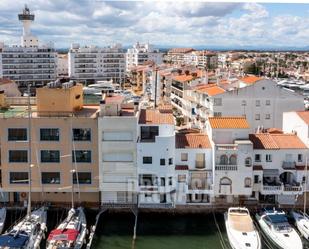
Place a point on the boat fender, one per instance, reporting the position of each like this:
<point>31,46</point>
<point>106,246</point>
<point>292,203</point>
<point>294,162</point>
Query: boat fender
<point>23,195</point>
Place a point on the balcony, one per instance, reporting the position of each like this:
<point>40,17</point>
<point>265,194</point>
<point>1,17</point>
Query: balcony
<point>227,167</point>
<point>281,189</point>
<point>226,147</point>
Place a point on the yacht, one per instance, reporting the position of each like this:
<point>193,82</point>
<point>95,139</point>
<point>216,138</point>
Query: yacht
<point>71,233</point>
<point>28,233</point>
<point>276,227</point>
<point>301,222</point>
<point>2,218</point>
<point>240,229</point>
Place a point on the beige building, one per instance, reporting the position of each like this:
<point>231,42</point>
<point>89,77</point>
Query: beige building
<point>63,147</point>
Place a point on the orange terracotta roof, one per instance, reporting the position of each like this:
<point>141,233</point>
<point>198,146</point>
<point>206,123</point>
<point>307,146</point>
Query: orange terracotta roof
<point>274,131</point>
<point>229,123</point>
<point>114,99</point>
<point>271,141</point>
<point>183,77</point>
<point>165,108</point>
<point>249,80</point>
<point>304,115</point>
<point>192,141</point>
<point>210,89</point>
<point>155,117</point>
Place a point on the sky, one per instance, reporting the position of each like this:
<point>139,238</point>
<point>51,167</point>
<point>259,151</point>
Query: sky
<point>163,23</point>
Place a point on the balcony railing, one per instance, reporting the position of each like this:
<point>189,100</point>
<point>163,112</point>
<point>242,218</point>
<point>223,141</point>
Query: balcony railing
<point>221,167</point>
<point>281,189</point>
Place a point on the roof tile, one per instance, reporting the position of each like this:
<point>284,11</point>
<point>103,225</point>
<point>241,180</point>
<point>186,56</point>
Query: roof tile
<point>155,117</point>
<point>192,141</point>
<point>229,123</point>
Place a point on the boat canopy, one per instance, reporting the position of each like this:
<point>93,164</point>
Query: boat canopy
<point>11,241</point>
<point>63,234</point>
<point>277,218</point>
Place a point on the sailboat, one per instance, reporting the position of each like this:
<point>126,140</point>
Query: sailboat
<point>301,218</point>
<point>240,229</point>
<point>27,233</point>
<point>71,233</point>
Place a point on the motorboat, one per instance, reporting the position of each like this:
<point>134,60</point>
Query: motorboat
<point>2,218</point>
<point>71,233</point>
<point>98,87</point>
<point>241,231</point>
<point>301,222</point>
<point>27,233</point>
<point>275,225</point>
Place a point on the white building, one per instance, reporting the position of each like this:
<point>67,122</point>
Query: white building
<point>140,53</point>
<point>194,169</point>
<point>156,159</point>
<point>297,122</point>
<point>117,128</point>
<point>204,59</point>
<point>62,65</point>
<point>30,62</point>
<point>279,162</point>
<point>89,64</point>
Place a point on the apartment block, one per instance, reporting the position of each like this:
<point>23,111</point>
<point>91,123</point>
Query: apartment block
<point>91,63</point>
<point>58,142</point>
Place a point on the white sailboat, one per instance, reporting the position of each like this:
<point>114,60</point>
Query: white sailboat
<point>71,233</point>
<point>240,229</point>
<point>301,218</point>
<point>276,227</point>
<point>28,233</point>
<point>2,218</point>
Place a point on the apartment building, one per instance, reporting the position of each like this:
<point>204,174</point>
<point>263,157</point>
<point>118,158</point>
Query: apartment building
<point>176,55</point>
<point>141,53</point>
<point>202,59</point>
<point>156,158</point>
<point>279,166</point>
<point>62,65</point>
<point>117,127</point>
<point>193,168</point>
<point>31,62</point>
<point>91,63</point>
<point>58,142</point>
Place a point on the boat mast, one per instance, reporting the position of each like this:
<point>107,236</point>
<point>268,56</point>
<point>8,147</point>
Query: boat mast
<point>30,151</point>
<point>305,188</point>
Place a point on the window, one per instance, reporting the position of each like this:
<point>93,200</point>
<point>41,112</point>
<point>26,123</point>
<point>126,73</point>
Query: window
<point>19,178</point>
<point>181,178</point>
<point>148,133</point>
<point>257,103</point>
<point>247,182</point>
<point>184,157</point>
<point>267,102</point>
<point>162,183</point>
<point>257,116</point>
<point>170,161</point>
<point>18,156</point>
<point>224,160</point>
<point>82,178</point>
<point>243,103</point>
<point>267,116</point>
<point>162,161</point>
<point>147,160</point>
<point>17,134</point>
<point>217,114</point>
<point>268,158</point>
<point>81,156</point>
<point>50,178</point>
<point>256,179</point>
<point>170,181</point>
<point>217,102</point>
<point>300,157</point>
<point>50,156</point>
<point>48,134</point>
<point>81,134</point>
<point>248,162</point>
<point>233,160</point>
<point>257,157</point>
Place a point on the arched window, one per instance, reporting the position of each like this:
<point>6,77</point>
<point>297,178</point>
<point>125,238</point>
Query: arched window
<point>248,182</point>
<point>223,160</point>
<point>233,160</point>
<point>225,181</point>
<point>248,162</point>
<point>225,185</point>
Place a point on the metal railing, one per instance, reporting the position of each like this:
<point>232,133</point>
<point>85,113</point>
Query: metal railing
<point>227,167</point>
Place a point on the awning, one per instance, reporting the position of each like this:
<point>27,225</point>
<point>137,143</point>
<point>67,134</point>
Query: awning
<point>271,172</point>
<point>66,234</point>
